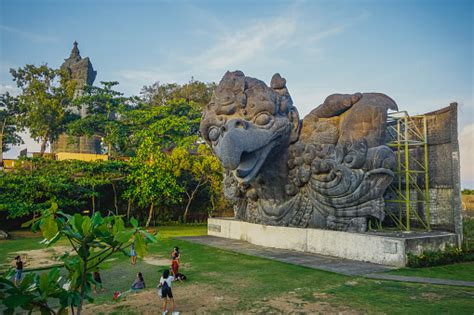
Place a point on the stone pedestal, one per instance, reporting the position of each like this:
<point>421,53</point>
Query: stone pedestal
<point>380,248</point>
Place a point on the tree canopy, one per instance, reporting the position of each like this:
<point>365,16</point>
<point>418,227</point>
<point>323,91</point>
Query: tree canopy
<point>105,108</point>
<point>194,91</point>
<point>157,167</point>
<point>44,102</point>
<point>8,129</point>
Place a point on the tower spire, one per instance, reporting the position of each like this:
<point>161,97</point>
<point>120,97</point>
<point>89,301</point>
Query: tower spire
<point>75,51</point>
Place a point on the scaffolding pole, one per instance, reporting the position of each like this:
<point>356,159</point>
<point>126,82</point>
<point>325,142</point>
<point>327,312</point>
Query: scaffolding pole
<point>407,136</point>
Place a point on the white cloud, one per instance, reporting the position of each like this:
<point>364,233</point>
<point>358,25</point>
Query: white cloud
<point>34,37</point>
<point>307,99</point>
<point>253,46</point>
<point>153,75</point>
<point>241,46</point>
<point>337,29</point>
<point>133,80</point>
<point>466,148</point>
<point>231,50</point>
<point>13,90</point>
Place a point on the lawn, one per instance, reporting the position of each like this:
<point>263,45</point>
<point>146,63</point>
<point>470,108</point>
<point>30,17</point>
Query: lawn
<point>225,282</point>
<point>463,271</point>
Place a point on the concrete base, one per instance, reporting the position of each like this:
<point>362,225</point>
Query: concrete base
<point>381,248</point>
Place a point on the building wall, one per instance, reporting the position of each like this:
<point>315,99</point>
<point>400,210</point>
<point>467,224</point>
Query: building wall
<point>61,156</point>
<point>444,169</point>
<point>72,144</point>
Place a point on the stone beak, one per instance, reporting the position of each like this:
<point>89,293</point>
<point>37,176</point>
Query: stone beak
<point>243,148</point>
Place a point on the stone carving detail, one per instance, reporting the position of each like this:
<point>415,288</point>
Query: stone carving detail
<point>329,170</point>
<point>79,68</point>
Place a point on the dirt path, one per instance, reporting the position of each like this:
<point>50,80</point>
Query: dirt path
<point>203,299</point>
<point>288,304</point>
<point>190,299</point>
<point>156,260</point>
<point>38,258</point>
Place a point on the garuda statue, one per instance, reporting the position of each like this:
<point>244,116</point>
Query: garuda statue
<point>329,170</point>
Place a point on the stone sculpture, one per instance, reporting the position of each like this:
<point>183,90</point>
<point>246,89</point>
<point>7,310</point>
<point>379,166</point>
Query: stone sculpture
<point>329,170</point>
<point>82,72</point>
<point>80,69</point>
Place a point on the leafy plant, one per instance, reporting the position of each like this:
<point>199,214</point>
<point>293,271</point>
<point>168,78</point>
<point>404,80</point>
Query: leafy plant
<point>93,240</point>
<point>450,255</point>
<point>36,292</point>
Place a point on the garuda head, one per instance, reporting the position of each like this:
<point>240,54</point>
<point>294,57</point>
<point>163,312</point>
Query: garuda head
<point>247,121</point>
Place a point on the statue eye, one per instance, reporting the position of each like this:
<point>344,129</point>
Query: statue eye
<point>214,133</point>
<point>263,119</point>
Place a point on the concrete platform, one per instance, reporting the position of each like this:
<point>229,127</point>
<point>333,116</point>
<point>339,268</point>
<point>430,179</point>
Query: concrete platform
<point>379,248</point>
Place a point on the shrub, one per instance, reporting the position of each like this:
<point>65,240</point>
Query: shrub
<point>450,255</point>
<point>468,231</point>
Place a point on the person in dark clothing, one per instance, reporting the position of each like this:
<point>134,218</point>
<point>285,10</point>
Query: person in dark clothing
<point>98,281</point>
<point>166,293</point>
<point>18,270</point>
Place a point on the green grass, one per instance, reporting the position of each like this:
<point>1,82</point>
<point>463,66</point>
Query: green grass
<point>9,249</point>
<point>234,274</point>
<point>12,246</point>
<point>182,230</point>
<point>254,280</point>
<point>463,271</point>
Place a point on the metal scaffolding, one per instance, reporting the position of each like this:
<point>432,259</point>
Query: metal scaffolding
<point>407,199</point>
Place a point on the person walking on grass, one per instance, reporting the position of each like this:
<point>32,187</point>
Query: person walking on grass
<point>166,293</point>
<point>98,281</point>
<point>18,270</point>
<point>133,253</point>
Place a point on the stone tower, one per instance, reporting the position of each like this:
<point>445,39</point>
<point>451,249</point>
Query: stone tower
<point>81,70</point>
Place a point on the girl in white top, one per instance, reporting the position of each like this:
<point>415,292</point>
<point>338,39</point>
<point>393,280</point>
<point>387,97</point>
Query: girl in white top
<point>166,293</point>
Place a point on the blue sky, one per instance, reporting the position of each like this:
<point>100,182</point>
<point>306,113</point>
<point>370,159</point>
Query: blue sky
<point>418,52</point>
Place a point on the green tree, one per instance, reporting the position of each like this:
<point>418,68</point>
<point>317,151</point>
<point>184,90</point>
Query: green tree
<point>95,174</point>
<point>105,107</point>
<point>44,101</point>
<point>153,180</point>
<point>157,166</point>
<point>201,170</point>
<point>34,183</point>
<point>194,91</point>
<point>8,130</point>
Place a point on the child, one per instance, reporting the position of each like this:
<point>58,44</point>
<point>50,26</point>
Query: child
<point>98,281</point>
<point>166,293</point>
<point>18,270</point>
<point>175,255</point>
<point>139,282</point>
<point>133,254</point>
